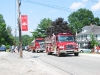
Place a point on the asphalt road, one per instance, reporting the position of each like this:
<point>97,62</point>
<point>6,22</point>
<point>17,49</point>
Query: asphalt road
<point>84,64</point>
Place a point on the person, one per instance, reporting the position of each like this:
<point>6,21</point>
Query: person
<point>13,48</point>
<point>98,48</point>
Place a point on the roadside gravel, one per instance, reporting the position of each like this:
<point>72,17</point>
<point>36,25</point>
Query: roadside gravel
<point>12,64</point>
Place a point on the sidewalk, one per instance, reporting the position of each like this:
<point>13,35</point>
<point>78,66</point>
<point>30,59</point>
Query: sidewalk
<point>91,54</point>
<point>12,64</point>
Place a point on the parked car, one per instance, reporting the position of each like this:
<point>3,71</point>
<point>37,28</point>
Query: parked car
<point>84,50</point>
<point>3,48</point>
<point>26,48</point>
<point>23,47</point>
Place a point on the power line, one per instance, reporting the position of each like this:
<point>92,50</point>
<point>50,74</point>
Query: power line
<point>54,6</point>
<point>95,1</point>
<point>48,5</point>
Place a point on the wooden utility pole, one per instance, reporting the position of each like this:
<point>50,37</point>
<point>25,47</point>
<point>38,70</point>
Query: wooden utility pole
<point>19,27</point>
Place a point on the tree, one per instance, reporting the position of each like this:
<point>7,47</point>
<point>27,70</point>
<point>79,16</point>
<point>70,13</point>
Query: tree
<point>25,40</point>
<point>10,38</point>
<point>41,29</point>
<point>92,43</point>
<point>2,30</point>
<point>5,37</point>
<point>58,26</point>
<point>79,19</point>
<point>9,29</point>
<point>97,21</point>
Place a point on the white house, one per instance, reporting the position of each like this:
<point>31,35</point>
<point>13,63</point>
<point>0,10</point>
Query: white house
<point>83,37</point>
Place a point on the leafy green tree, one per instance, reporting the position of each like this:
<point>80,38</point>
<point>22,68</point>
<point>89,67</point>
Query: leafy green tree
<point>30,40</point>
<point>79,19</point>
<point>25,40</point>
<point>42,28</point>
<point>9,30</point>
<point>10,38</point>
<point>5,37</point>
<point>2,30</point>
<point>97,21</point>
<point>36,34</point>
<point>92,43</point>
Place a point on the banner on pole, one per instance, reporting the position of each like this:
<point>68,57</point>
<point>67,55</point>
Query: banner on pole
<point>24,23</point>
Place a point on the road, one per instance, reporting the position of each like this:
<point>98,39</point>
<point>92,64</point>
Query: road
<point>84,64</point>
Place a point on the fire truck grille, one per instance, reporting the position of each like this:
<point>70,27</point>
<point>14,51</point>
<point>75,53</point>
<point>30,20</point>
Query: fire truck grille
<point>69,46</point>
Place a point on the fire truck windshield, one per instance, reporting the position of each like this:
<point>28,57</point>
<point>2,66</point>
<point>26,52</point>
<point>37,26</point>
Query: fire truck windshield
<point>39,40</point>
<point>65,38</point>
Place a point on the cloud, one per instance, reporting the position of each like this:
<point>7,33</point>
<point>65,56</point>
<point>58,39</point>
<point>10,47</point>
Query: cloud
<point>96,6</point>
<point>52,11</point>
<point>76,5</point>
<point>84,0</point>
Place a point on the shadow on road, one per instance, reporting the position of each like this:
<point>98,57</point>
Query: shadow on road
<point>65,55</point>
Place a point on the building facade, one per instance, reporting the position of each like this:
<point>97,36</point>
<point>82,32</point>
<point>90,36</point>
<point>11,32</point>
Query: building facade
<point>84,37</point>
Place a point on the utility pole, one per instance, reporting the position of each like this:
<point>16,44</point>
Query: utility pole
<point>19,27</point>
<point>15,35</point>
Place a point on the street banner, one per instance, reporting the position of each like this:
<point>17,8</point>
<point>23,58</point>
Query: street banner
<point>24,23</point>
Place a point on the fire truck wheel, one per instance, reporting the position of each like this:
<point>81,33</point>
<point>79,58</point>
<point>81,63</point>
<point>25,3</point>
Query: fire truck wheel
<point>37,51</point>
<point>41,51</point>
<point>58,52</point>
<point>76,54</point>
<point>33,51</point>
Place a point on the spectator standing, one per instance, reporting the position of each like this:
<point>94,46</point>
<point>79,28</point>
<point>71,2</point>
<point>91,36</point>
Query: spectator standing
<point>98,48</point>
<point>13,48</point>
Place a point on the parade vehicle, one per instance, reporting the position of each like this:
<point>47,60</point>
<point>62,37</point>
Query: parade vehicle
<point>62,43</point>
<point>37,45</point>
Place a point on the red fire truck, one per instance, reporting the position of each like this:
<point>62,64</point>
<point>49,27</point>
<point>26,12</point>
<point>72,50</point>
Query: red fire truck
<point>37,45</point>
<point>63,43</point>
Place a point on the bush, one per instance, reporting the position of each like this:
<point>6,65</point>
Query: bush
<point>7,46</point>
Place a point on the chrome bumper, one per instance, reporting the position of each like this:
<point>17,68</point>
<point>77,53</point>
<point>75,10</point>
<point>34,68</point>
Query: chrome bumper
<point>69,51</point>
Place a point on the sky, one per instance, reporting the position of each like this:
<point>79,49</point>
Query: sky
<point>36,10</point>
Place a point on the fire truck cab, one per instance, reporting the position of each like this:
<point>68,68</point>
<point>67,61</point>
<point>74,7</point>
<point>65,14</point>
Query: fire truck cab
<point>38,45</point>
<point>63,43</point>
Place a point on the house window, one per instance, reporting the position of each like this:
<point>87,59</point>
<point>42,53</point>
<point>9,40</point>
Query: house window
<point>82,37</point>
<point>86,37</point>
<point>96,36</point>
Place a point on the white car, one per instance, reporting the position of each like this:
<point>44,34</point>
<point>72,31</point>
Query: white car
<point>84,50</point>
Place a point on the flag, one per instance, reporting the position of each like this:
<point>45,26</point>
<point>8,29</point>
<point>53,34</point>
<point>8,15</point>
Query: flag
<point>24,23</point>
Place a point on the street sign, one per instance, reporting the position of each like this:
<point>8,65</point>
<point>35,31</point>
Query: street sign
<point>24,23</point>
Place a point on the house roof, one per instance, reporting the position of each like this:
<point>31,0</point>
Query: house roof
<point>85,27</point>
<point>93,29</point>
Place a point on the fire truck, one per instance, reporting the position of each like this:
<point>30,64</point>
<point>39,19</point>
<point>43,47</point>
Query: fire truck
<point>62,43</point>
<point>37,45</point>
